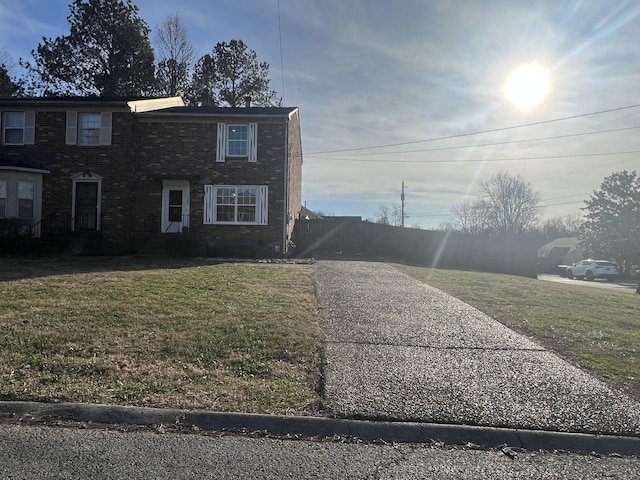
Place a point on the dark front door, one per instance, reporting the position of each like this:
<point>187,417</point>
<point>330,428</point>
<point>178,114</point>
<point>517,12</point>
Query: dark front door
<point>86,206</point>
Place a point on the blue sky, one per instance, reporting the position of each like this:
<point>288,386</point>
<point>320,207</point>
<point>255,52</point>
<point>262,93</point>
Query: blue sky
<point>379,82</point>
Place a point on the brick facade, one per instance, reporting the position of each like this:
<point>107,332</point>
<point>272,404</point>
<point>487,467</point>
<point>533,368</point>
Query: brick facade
<point>172,146</point>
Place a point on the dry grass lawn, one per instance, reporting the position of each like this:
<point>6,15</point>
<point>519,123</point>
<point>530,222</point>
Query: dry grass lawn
<point>176,333</point>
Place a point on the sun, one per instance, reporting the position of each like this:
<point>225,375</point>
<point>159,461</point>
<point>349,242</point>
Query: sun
<point>527,86</point>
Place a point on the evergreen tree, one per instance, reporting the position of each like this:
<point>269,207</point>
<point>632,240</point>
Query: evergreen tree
<point>106,53</point>
<point>229,74</point>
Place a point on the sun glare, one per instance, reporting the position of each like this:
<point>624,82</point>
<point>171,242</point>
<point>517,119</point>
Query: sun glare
<point>527,86</point>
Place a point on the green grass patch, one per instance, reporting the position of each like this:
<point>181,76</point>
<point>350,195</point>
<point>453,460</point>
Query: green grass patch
<point>176,333</point>
<point>596,329</point>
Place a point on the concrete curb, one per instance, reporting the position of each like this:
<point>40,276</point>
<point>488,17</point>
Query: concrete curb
<point>401,432</point>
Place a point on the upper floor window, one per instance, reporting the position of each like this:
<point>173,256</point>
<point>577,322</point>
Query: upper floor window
<point>18,128</point>
<point>239,141</point>
<point>89,125</point>
<point>237,136</point>
<point>88,128</point>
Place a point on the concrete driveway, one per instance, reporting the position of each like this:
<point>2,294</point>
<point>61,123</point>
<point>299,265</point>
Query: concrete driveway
<point>618,286</point>
<point>398,349</point>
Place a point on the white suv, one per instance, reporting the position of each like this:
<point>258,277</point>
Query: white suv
<point>591,269</point>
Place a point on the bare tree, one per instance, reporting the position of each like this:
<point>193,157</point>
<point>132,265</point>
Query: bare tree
<point>176,56</point>
<point>470,217</point>
<point>389,215</point>
<point>512,204</point>
<point>563,226</point>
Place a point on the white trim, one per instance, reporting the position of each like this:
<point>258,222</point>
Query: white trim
<point>211,211</point>
<point>262,209</point>
<point>29,136</point>
<point>252,142</point>
<point>105,128</point>
<point>221,148</point>
<point>168,185</point>
<point>71,136</point>
<point>86,178</point>
<point>209,205</point>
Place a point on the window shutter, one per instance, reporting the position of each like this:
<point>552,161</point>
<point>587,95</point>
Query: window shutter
<point>29,128</point>
<point>252,142</point>
<point>105,128</point>
<point>209,204</point>
<point>72,128</point>
<point>221,149</point>
<point>263,205</point>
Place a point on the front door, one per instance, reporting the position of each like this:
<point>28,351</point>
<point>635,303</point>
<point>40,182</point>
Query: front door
<point>175,206</point>
<point>86,206</point>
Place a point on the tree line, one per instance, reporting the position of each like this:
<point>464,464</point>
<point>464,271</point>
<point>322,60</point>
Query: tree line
<point>509,207</point>
<point>108,53</point>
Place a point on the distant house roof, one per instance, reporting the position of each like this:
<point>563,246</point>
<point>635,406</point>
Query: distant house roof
<point>563,245</point>
<point>306,214</point>
<point>21,161</point>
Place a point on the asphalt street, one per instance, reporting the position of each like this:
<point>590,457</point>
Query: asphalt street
<point>399,349</point>
<point>35,452</point>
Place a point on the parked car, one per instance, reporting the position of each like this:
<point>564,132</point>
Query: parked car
<point>591,269</point>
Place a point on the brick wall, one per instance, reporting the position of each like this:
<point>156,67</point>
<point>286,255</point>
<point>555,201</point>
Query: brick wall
<point>147,149</point>
<point>186,149</point>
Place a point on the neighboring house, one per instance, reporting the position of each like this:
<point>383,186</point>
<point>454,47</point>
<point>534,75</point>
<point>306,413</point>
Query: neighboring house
<point>122,171</point>
<point>561,251</point>
<point>306,214</point>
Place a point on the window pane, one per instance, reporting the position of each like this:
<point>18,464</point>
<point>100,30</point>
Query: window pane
<point>14,120</point>
<point>225,196</point>
<point>3,189</point>
<point>3,210</point>
<point>225,213</point>
<point>246,214</point>
<point>247,196</point>
<point>13,136</point>
<point>175,197</point>
<point>25,208</point>
<point>13,128</point>
<point>89,127</point>
<point>237,140</point>
<point>26,190</point>
<point>175,214</point>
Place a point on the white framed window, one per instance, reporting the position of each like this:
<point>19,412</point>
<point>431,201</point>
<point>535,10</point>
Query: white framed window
<point>21,197</point>
<point>18,128</point>
<point>236,204</point>
<point>88,128</point>
<point>3,197</point>
<point>26,199</point>
<point>237,141</point>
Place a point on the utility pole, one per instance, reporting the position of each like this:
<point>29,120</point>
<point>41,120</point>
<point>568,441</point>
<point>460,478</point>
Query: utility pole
<point>402,203</point>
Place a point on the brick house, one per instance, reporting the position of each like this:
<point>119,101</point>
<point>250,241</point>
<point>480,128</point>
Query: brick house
<point>120,173</point>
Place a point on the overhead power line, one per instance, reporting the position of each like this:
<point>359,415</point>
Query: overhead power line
<point>509,142</point>
<point>468,134</point>
<point>476,160</point>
